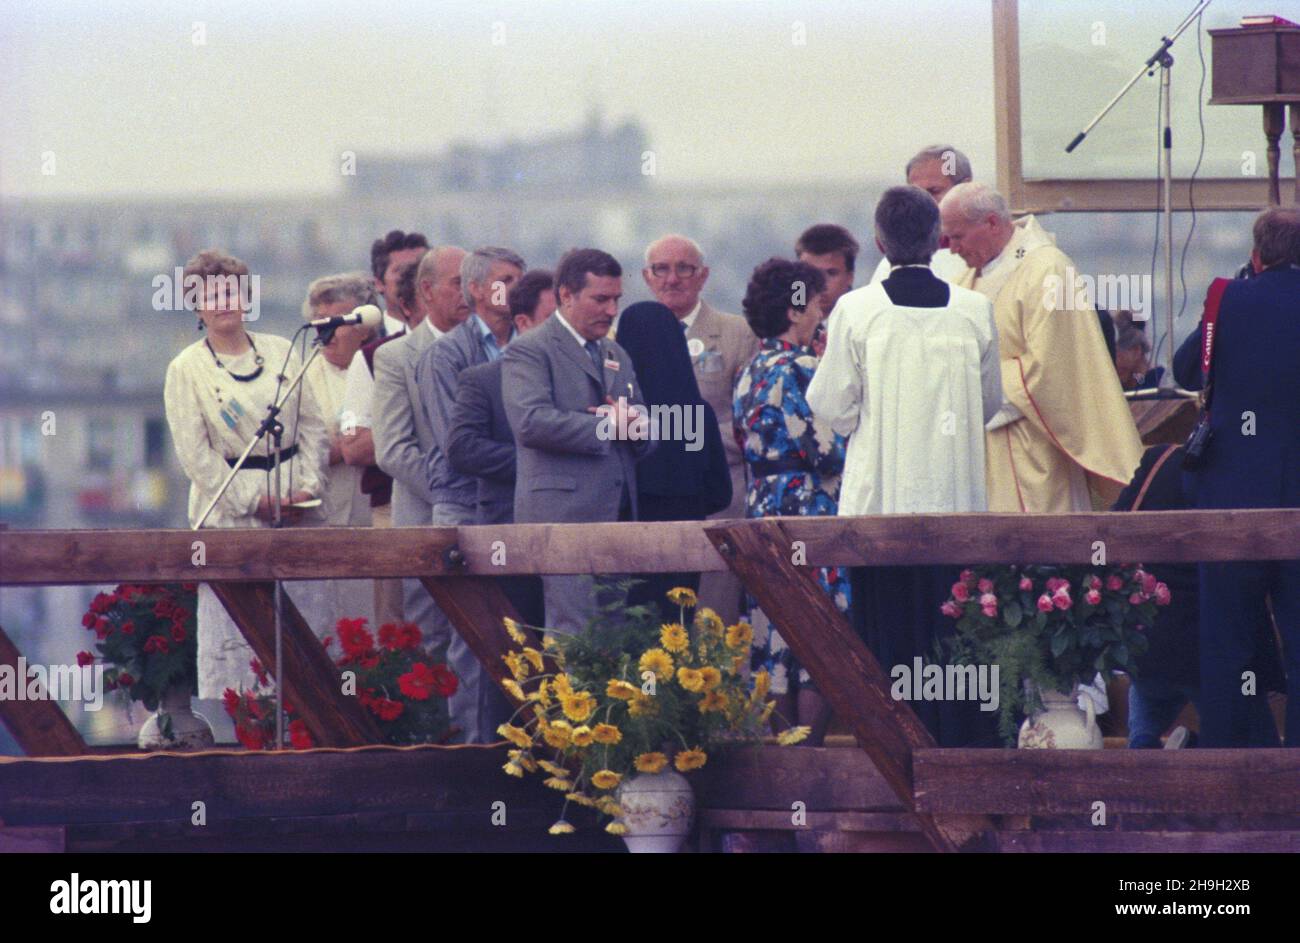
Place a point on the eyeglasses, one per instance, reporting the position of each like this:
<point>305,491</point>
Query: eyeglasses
<point>683,269</point>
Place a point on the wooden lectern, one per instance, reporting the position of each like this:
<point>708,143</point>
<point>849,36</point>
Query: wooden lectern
<point>1260,65</point>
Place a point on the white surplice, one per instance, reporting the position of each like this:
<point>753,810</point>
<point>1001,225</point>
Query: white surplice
<point>912,388</point>
<point>212,416</point>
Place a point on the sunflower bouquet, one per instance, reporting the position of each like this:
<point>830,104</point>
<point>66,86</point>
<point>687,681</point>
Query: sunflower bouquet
<point>631,695</point>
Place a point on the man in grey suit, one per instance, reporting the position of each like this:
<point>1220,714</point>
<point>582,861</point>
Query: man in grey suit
<point>485,277</point>
<point>481,444</point>
<point>578,417</point>
<point>402,431</point>
<point>721,346</point>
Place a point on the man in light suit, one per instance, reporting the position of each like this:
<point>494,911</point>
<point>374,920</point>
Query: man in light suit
<point>485,276</point>
<point>402,433</point>
<point>578,418</point>
<point>721,346</point>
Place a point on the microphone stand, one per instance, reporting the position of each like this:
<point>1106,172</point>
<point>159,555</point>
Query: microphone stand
<point>1165,61</point>
<point>272,426</point>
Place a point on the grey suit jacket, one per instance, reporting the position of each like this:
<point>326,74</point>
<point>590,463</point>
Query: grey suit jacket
<point>437,374</point>
<point>729,346</point>
<point>401,429</point>
<point>480,443</point>
<point>565,471</point>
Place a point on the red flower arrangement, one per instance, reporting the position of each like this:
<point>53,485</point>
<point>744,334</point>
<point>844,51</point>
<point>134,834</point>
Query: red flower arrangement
<point>146,639</point>
<point>393,679</point>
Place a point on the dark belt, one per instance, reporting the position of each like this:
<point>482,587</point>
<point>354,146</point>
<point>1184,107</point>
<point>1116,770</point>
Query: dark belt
<point>263,462</point>
<point>781,466</point>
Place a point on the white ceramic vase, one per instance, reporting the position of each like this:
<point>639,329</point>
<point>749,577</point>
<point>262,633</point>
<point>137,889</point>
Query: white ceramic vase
<point>658,809</point>
<point>1061,725</point>
<point>189,731</point>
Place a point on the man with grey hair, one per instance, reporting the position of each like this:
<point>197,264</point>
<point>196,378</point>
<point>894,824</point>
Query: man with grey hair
<point>486,276</point>
<point>1065,439</point>
<point>911,374</point>
<point>936,170</point>
<point>721,346</point>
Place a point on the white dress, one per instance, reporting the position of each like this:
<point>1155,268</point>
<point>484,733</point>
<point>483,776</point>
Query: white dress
<point>323,602</point>
<point>212,416</point>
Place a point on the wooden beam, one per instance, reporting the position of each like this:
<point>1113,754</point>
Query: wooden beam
<point>1045,782</point>
<point>826,779</point>
<point>55,557</point>
<point>1108,840</point>
<point>161,787</point>
<point>40,727</point>
<point>311,680</point>
<point>476,607</point>
<point>844,670</point>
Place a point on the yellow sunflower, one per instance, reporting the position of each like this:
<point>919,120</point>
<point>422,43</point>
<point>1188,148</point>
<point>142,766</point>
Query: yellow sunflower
<point>560,685</point>
<point>524,760</point>
<point>561,828</point>
<point>512,769</point>
<point>622,690</point>
<point>534,657</point>
<point>793,736</point>
<point>555,782</point>
<point>642,706</point>
<point>712,677</point>
<point>512,627</point>
<point>607,805</point>
<point>607,733</point>
<point>516,735</point>
<point>582,736</point>
<point>692,679</point>
<point>581,799</point>
<point>651,762</point>
<point>578,706</point>
<point>710,621</point>
<point>673,637</point>
<point>713,701</point>
<point>515,662</point>
<point>558,734</point>
<point>512,687</point>
<point>544,693</point>
<point>616,828</point>
<point>682,596</point>
<point>740,635</point>
<point>688,760</point>
<point>762,684</point>
<point>658,661</point>
<point>605,779</point>
<point>553,769</point>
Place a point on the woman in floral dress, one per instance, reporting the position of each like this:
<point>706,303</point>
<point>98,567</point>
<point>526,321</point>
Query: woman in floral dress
<point>794,460</point>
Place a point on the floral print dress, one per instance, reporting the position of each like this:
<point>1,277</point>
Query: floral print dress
<point>795,462</point>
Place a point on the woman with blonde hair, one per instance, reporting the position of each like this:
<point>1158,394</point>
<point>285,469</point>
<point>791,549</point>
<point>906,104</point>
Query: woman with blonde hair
<point>217,393</point>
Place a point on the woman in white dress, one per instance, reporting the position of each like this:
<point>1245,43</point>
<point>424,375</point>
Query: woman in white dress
<point>323,603</point>
<point>217,393</point>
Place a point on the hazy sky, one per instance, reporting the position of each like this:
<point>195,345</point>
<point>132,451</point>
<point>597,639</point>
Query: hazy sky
<point>126,102</point>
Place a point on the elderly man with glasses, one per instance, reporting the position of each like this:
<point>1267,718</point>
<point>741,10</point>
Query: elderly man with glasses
<point>721,346</point>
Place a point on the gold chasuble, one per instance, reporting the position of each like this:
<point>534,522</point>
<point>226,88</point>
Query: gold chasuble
<point>1071,443</point>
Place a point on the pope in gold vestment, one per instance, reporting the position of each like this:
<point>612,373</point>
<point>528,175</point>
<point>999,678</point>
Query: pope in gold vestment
<point>1065,439</point>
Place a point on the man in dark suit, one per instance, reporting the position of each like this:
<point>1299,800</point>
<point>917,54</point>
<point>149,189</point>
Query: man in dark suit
<point>578,417</point>
<point>480,443</point>
<point>1252,461</point>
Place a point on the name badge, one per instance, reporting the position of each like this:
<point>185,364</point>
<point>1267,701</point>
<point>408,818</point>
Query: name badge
<point>611,365</point>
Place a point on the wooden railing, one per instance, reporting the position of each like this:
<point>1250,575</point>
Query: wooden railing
<point>951,793</point>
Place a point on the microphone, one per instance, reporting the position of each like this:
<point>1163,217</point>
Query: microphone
<point>368,315</point>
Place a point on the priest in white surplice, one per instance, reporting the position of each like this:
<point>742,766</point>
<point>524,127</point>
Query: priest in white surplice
<point>911,374</point>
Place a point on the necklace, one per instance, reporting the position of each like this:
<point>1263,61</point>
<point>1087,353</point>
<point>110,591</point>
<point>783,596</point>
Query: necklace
<point>241,377</point>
